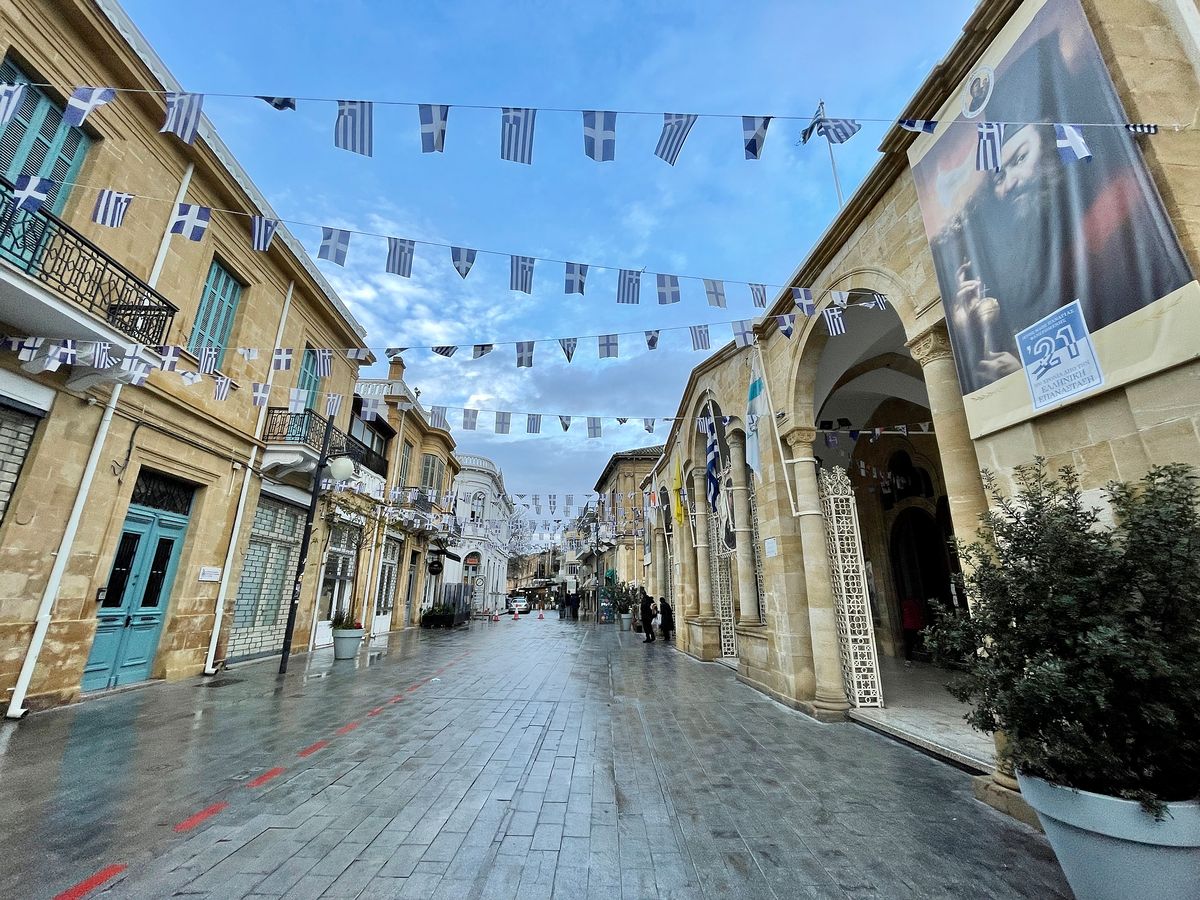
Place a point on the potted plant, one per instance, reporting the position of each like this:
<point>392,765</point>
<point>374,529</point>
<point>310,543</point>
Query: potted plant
<point>438,616</point>
<point>1083,648</point>
<point>347,634</point>
<point>624,607</point>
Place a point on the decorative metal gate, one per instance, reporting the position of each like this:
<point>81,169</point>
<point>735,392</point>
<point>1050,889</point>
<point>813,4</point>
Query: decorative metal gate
<point>721,585</point>
<point>856,634</point>
<point>759,579</point>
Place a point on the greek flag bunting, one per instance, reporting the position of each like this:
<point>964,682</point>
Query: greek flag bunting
<point>565,422</point>
<point>803,298</point>
<point>629,285</point>
<point>787,324</point>
<point>323,362</point>
<point>988,147</point>
<point>503,422</point>
<point>102,355</point>
<point>191,221</point>
<point>1070,143</point>
<point>758,293</point>
<point>65,352</point>
<point>676,127</point>
<point>433,127</point>
<point>139,370</point>
<point>183,115</point>
<point>221,385</point>
<point>353,129</point>
<point>754,133</point>
<point>437,418</point>
<point>576,275</point>
<point>463,258</point>
<point>600,135</point>
<point>840,298</point>
<point>298,400</point>
<point>446,350</point>
<point>524,354</point>
<point>30,192</point>
<point>928,126</point>
<point>400,256</point>
<point>111,207</point>
<point>743,332</point>
<point>84,100</point>
<point>10,101</point>
<point>648,424</point>
<point>593,425</point>
<point>520,276</point>
<point>533,423</point>
<point>262,230</point>
<point>372,408</point>
<point>516,134</point>
<point>260,393</point>
<point>281,359</point>
<point>481,350</point>
<point>700,340</point>
<point>1131,127</point>
<point>335,244</point>
<point>715,292</point>
<point>208,360</point>
<point>878,301</point>
<point>834,320</point>
<point>279,103</point>
<point>668,289</point>
<point>470,419</point>
<point>28,348</point>
<point>607,346</point>
<point>248,353</point>
<point>568,347</point>
<point>652,340</point>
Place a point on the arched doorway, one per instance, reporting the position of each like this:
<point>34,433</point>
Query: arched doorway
<point>920,566</point>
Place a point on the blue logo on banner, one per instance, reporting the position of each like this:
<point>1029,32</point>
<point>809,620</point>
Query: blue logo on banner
<point>1058,357</point>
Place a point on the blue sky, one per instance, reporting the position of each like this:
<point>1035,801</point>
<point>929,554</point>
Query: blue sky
<point>714,214</point>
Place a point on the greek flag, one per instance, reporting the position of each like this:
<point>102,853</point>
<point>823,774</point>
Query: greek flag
<point>372,407</point>
<point>333,405</point>
<point>700,339</point>
<point>10,101</point>
<point>191,221</point>
<point>878,301</point>
<point>335,243</point>
<point>524,354</point>
<point>139,371</point>
<point>648,424</point>
<point>668,289</point>
<point>85,99</point>
<point>208,360</point>
<point>1071,145</point>
<point>712,467</point>
<point>520,275</point>
<point>470,419</point>
<point>576,276</point>
<point>834,320</point>
<point>629,284</point>
<point>298,400</point>
<point>676,127</point>
<point>445,350</point>
<point>323,362</point>
<point>652,340</point>
<point>221,385</point>
<point>400,256</point>
<point>754,133</point>
<point>758,293</point>
<point>463,259</point>
<point>503,422</point>
<point>111,207</point>
<point>715,291</point>
<point>65,351</point>
<point>928,126</point>
<point>516,133</point>
<point>600,135</point>
<point>787,324</point>
<point>481,350</point>
<point>437,418</point>
<point>743,332</point>
<point>987,150</point>
<point>281,359</point>
<point>607,345</point>
<point>803,298</point>
<point>533,423</point>
<point>593,423</point>
<point>262,230</point>
<point>102,355</point>
<point>838,131</point>
<point>433,127</point>
<point>183,115</point>
<point>840,298</point>
<point>353,129</point>
<point>30,192</point>
<point>568,346</point>
<point>260,393</point>
<point>1131,127</point>
<point>249,354</point>
<point>565,422</point>
<point>279,103</point>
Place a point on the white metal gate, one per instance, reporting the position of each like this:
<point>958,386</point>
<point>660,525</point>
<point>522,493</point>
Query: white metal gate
<point>720,582</point>
<point>856,633</point>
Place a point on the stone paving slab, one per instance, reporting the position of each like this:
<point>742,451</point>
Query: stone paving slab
<point>545,759</point>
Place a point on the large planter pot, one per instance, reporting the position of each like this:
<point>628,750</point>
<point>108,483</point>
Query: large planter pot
<point>346,642</point>
<point>626,619</point>
<point>1112,849</point>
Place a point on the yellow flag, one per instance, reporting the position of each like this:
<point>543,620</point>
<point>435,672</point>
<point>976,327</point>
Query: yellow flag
<point>676,490</point>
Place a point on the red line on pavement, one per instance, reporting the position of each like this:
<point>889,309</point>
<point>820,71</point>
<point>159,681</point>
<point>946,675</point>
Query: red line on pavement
<point>376,711</point>
<point>88,885</point>
<point>192,821</point>
<point>347,728</point>
<point>397,698</point>
<point>413,687</point>
<point>312,748</point>
<point>265,777</point>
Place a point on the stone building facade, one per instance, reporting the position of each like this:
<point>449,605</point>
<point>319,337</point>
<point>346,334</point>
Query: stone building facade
<point>878,414</point>
<point>485,511</point>
<point>620,523</point>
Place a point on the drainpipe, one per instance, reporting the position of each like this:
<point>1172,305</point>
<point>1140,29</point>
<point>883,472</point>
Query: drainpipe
<point>41,626</point>
<point>223,588</point>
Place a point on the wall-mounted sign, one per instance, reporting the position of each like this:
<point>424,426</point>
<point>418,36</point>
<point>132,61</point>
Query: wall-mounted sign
<point>210,573</point>
<point>771,547</point>
<point>1058,357</point>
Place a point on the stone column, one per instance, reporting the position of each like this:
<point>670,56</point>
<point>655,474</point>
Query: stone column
<point>960,465</point>
<point>830,694</point>
<point>748,613</point>
<point>658,561</point>
<point>703,574</point>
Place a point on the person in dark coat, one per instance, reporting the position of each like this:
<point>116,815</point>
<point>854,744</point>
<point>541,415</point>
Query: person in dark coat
<point>668,618</point>
<point>647,615</point>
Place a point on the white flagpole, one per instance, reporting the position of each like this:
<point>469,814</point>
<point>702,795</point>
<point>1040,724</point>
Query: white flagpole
<point>832,164</point>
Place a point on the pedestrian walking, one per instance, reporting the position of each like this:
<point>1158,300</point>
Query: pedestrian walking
<point>668,618</point>
<point>912,620</point>
<point>647,616</point>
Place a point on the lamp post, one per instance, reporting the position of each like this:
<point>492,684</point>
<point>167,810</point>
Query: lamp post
<point>340,468</point>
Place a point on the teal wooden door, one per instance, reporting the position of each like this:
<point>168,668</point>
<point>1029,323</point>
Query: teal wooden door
<point>130,618</point>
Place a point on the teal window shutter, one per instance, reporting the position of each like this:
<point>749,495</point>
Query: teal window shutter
<point>38,142</point>
<point>214,318</point>
<point>309,380</point>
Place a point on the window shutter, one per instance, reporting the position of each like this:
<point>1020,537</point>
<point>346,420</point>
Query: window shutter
<point>214,318</point>
<point>309,380</point>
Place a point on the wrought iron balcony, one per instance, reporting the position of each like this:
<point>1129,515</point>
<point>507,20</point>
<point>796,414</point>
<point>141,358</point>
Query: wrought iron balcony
<point>60,258</point>
<point>308,429</point>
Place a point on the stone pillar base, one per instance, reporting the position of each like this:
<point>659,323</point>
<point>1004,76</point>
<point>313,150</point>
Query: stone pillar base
<point>704,637</point>
<point>1009,802</point>
<point>754,651</point>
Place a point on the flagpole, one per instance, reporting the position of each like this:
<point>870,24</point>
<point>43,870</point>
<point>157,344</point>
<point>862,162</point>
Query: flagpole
<point>837,184</point>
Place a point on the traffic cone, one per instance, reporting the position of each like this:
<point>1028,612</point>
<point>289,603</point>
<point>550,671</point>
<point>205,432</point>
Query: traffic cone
<point>540,616</point>
<point>516,614</point>
<point>495,617</point>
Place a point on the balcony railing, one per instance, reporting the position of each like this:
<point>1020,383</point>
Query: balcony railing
<point>55,254</point>
<point>307,428</point>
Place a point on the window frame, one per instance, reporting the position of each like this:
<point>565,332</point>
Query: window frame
<point>214,333</point>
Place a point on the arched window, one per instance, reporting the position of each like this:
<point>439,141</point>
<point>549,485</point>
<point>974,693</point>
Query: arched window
<point>478,506</point>
<point>906,480</point>
<point>471,567</point>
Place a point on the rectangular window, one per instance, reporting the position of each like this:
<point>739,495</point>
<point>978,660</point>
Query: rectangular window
<point>405,463</point>
<point>309,379</point>
<point>214,318</point>
<point>16,434</point>
<point>433,472</point>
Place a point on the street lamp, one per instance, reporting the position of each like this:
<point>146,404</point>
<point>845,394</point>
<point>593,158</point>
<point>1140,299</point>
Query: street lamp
<point>341,468</point>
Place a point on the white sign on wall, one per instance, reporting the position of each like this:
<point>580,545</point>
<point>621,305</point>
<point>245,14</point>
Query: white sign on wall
<point>210,573</point>
<point>770,547</point>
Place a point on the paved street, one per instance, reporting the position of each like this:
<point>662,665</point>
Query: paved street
<point>532,759</point>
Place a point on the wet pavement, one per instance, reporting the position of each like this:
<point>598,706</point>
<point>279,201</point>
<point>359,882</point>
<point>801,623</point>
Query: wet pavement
<point>530,759</point>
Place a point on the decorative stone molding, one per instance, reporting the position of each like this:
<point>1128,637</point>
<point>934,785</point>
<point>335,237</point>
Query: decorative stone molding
<point>931,345</point>
<point>800,439</point>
